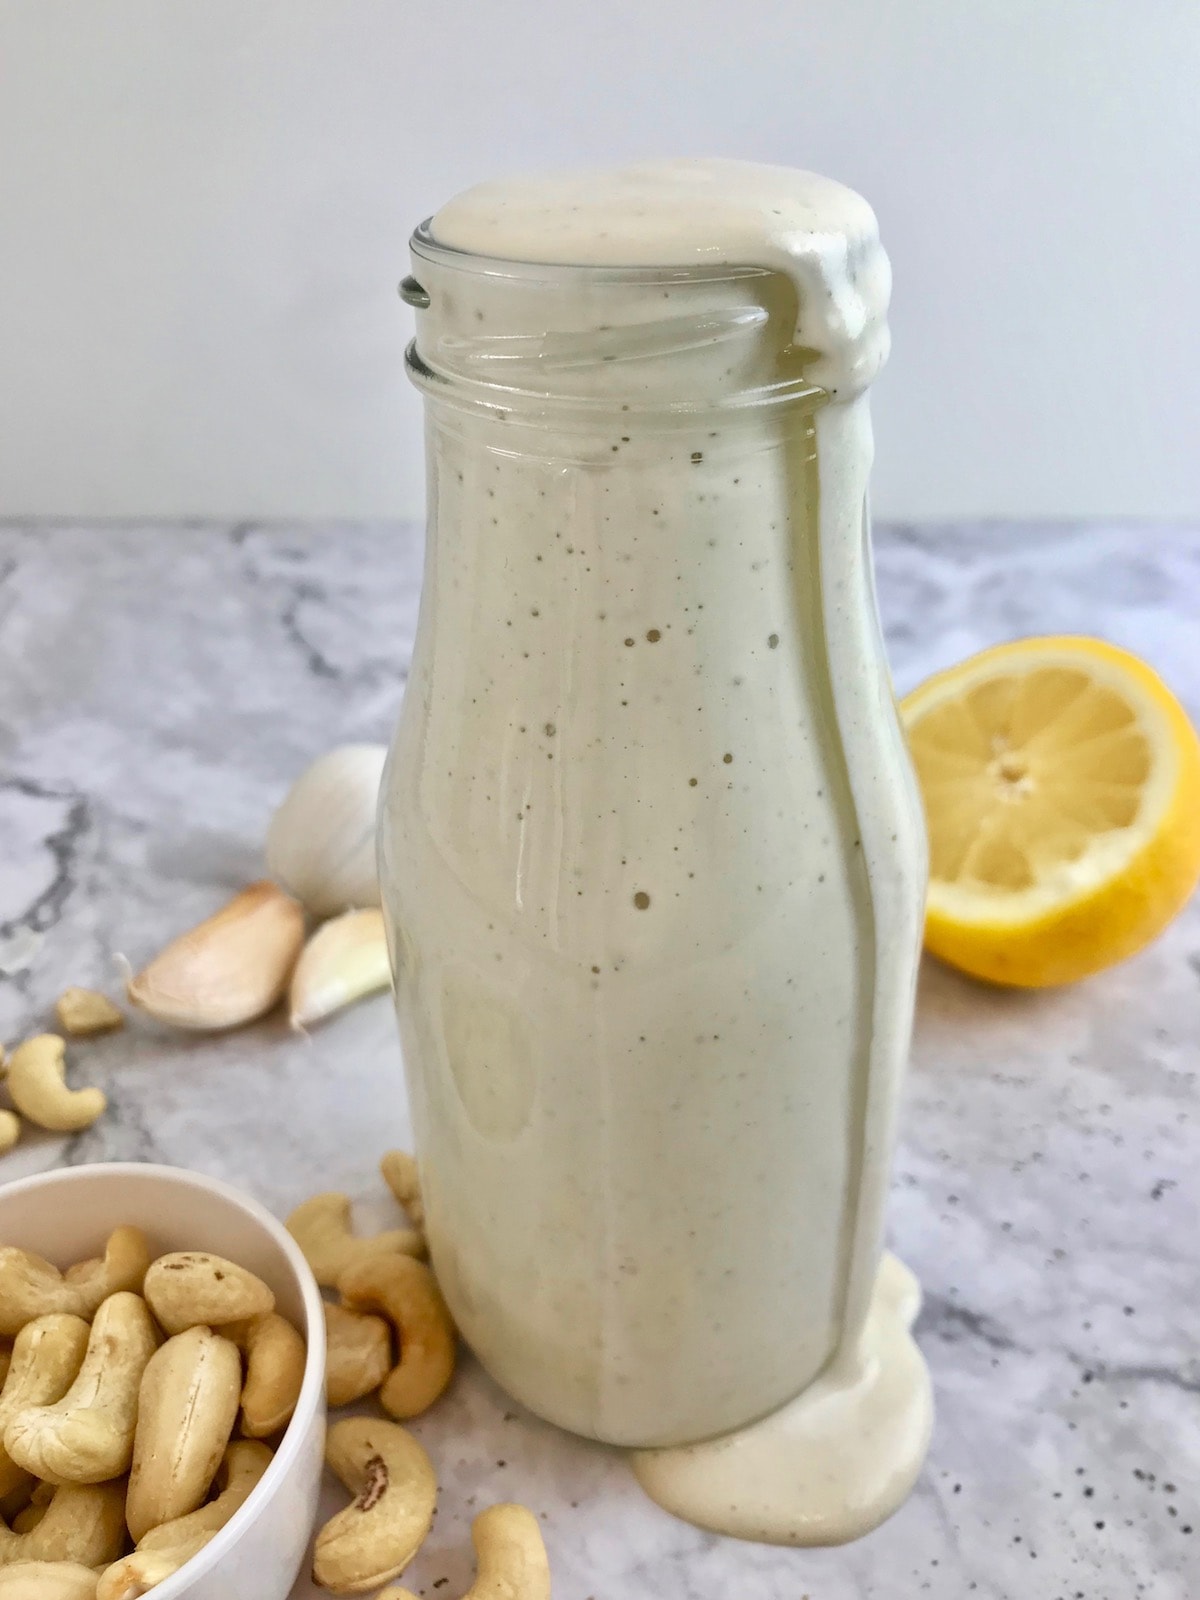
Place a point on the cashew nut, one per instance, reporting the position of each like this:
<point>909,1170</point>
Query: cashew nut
<point>87,1435</point>
<point>406,1292</point>
<point>123,1266</point>
<point>187,1405</point>
<point>83,1523</point>
<point>47,1580</point>
<point>37,1497</point>
<point>402,1177</point>
<point>276,1356</point>
<point>164,1550</point>
<point>38,1089</point>
<point>321,1227</point>
<point>358,1354</point>
<point>10,1130</point>
<point>510,1558</point>
<point>376,1537</point>
<point>46,1358</point>
<point>144,1570</point>
<point>243,1465</point>
<point>31,1287</point>
<point>191,1287</point>
<point>18,1497</point>
<point>84,1012</point>
<point>5,1359</point>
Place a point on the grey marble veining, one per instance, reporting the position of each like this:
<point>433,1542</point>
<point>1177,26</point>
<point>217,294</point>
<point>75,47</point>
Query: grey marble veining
<point>160,685</point>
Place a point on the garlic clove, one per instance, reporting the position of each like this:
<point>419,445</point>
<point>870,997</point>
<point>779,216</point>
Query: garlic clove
<point>344,961</point>
<point>321,840</point>
<point>230,968</point>
<point>84,1011</point>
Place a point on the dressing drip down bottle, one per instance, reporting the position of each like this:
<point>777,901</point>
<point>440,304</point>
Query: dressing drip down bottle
<point>651,852</point>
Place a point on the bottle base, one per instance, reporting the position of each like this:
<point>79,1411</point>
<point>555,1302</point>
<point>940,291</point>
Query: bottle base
<point>833,1463</point>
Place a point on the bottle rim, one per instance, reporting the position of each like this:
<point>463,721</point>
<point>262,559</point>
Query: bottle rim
<point>502,394</point>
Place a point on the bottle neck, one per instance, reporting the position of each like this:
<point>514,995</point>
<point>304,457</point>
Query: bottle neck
<point>583,342</point>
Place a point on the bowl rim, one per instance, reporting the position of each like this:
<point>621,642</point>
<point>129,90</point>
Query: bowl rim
<point>312,1389</point>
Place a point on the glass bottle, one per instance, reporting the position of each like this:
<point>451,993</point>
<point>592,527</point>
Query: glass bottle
<point>651,853</point>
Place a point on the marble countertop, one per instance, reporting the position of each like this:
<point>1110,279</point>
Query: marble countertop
<point>160,686</point>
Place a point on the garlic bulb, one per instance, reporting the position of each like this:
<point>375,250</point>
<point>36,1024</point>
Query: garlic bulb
<point>321,842</point>
<point>345,960</point>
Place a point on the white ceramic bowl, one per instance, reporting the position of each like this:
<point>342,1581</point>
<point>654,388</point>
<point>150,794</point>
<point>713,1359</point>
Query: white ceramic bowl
<point>66,1217</point>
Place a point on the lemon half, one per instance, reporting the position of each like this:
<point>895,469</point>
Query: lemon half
<point>1061,782</point>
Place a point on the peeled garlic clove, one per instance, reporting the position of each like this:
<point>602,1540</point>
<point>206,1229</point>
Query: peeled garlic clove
<point>229,969</point>
<point>321,842</point>
<point>344,960</point>
<point>84,1011</point>
<point>10,1130</point>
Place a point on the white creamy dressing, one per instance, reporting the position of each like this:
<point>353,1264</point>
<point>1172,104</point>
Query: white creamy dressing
<point>825,1468</point>
<point>816,233</point>
<point>651,852</point>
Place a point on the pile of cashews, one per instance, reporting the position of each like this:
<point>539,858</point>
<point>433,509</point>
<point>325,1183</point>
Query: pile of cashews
<point>137,1396</point>
<point>127,1416</point>
<point>387,1293</point>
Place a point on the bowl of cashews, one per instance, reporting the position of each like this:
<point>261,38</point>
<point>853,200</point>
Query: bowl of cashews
<point>162,1409</point>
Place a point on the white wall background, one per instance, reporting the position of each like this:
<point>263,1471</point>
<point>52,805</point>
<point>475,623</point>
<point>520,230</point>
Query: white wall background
<point>204,206</point>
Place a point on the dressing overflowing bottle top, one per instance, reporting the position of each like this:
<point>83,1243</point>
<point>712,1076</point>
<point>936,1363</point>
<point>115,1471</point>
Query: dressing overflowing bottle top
<point>723,219</point>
